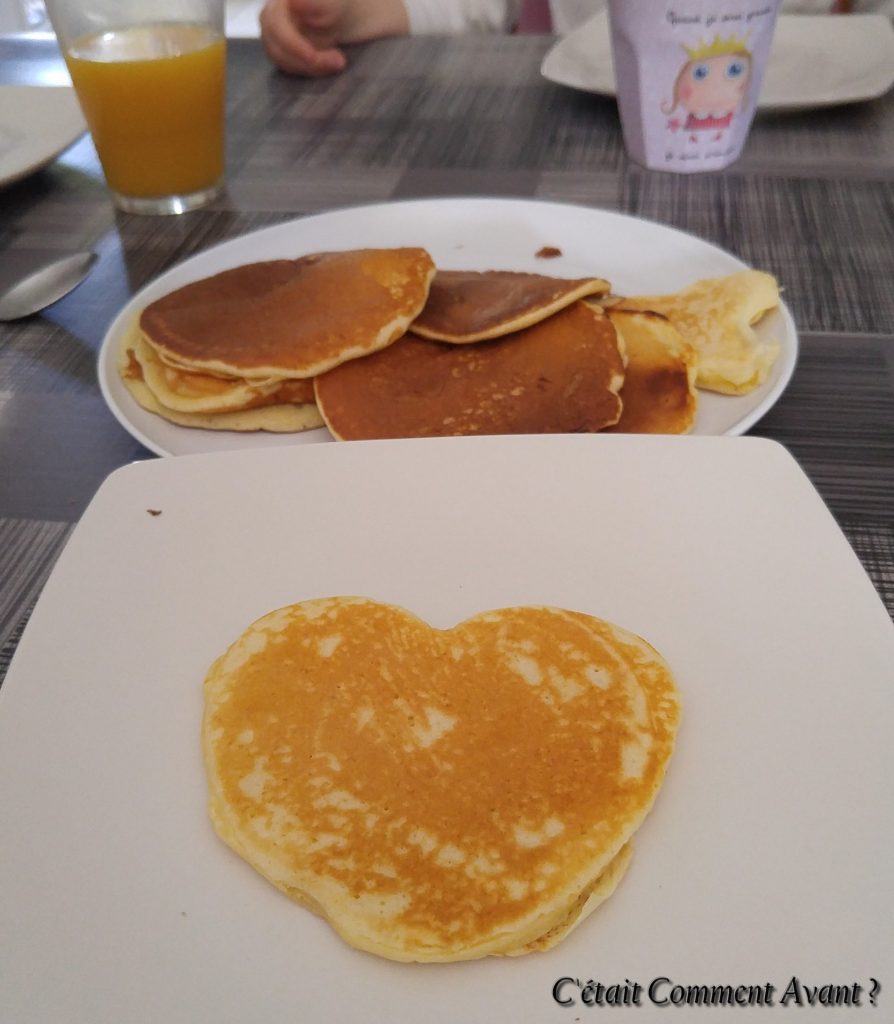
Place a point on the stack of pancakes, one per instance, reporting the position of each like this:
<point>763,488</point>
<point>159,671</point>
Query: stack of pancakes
<point>437,795</point>
<point>239,350</point>
<point>376,343</point>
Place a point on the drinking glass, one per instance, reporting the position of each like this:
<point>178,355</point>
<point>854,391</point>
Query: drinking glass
<point>150,78</point>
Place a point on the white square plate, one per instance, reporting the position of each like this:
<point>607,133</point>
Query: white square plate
<point>767,855</point>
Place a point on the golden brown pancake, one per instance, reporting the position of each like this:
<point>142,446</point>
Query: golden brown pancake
<point>290,318</point>
<point>659,393</point>
<point>561,375</point>
<point>194,392</point>
<point>465,306</point>
<point>284,413</point>
<point>437,794</point>
<point>716,316</point>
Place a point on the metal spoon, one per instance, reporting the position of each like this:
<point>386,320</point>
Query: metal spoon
<point>24,291</point>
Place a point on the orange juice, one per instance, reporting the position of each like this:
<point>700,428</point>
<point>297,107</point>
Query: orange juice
<point>153,97</point>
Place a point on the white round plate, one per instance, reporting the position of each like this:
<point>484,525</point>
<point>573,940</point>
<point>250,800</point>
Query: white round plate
<point>36,124</point>
<point>815,61</point>
<point>636,256</point>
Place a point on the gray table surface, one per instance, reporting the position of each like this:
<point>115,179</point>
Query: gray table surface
<point>811,200</point>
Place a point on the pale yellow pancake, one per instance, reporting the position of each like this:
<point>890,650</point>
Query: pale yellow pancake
<point>587,902</point>
<point>290,318</point>
<point>466,306</point>
<point>434,794</point>
<point>562,375</point>
<point>278,417</point>
<point>717,316</point>
<point>193,392</point>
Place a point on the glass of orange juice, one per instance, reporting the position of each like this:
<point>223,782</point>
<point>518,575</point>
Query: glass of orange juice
<point>150,78</point>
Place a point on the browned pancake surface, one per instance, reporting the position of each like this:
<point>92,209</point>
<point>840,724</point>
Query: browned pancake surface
<point>560,376</point>
<point>659,393</point>
<point>290,318</point>
<point>466,306</point>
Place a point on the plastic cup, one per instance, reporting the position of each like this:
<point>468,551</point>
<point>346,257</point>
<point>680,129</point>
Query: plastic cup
<point>150,76</point>
<point>688,74</point>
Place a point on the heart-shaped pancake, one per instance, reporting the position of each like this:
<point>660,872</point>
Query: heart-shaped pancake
<point>437,794</point>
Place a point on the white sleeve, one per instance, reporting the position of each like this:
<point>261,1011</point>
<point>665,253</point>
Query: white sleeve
<point>824,6</point>
<point>806,6</point>
<point>451,17</point>
<point>568,15</point>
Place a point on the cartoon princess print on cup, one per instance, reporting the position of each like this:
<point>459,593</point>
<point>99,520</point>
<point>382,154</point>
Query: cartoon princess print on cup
<point>688,76</point>
<point>711,86</point>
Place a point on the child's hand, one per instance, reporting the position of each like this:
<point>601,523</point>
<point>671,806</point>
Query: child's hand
<point>301,36</point>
